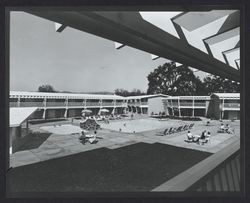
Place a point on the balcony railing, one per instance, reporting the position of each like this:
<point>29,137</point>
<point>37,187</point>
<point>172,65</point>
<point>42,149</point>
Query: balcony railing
<point>55,104</point>
<point>31,104</point>
<point>199,104</point>
<point>144,103</point>
<point>93,104</point>
<point>186,104</point>
<point>120,103</point>
<point>231,105</point>
<point>13,104</point>
<point>218,172</point>
<point>107,104</point>
<point>75,104</point>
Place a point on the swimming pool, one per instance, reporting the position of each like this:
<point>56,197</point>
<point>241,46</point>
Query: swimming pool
<point>140,125</point>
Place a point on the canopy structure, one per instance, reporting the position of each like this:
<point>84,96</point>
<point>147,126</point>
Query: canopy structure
<point>19,114</point>
<point>190,38</point>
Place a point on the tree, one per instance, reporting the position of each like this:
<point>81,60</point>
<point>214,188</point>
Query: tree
<point>46,88</point>
<point>168,79</point>
<point>216,84</point>
<point>126,93</point>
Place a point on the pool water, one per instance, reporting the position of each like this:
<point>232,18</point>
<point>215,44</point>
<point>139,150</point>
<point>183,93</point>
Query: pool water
<point>140,125</point>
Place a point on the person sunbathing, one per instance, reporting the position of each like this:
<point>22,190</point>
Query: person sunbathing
<point>190,137</point>
<point>83,138</point>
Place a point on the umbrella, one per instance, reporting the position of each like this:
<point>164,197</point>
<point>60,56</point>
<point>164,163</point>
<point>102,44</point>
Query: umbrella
<point>86,111</point>
<point>104,110</point>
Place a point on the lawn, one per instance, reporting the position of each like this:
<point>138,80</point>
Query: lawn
<point>31,141</point>
<point>137,167</point>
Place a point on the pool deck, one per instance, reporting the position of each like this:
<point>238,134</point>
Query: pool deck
<point>58,145</point>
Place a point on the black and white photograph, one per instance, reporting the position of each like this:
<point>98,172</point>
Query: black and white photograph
<point>124,101</point>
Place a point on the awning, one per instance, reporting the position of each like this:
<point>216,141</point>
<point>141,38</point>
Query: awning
<point>19,114</point>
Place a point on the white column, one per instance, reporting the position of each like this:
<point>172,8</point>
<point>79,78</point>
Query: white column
<point>65,113</point>
<point>45,102</point>
<point>222,108</point>
<point>44,113</point>
<point>193,108</point>
<point>172,107</point>
<point>84,102</point>
<point>66,102</point>
<point>179,107</point>
<point>18,101</point>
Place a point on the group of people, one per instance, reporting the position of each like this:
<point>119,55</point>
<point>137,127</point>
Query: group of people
<point>88,138</point>
<point>225,129</point>
<point>199,139</point>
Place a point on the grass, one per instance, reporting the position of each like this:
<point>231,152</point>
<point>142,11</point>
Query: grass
<point>31,141</point>
<point>138,167</point>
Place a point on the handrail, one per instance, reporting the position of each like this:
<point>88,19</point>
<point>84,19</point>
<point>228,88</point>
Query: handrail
<point>186,179</point>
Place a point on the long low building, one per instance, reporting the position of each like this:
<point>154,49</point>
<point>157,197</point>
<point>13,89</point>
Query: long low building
<point>67,105</point>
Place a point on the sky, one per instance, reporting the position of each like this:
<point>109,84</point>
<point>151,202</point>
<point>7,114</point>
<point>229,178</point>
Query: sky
<point>80,62</point>
<point>72,60</point>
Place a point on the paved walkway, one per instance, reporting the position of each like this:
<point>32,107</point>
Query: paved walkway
<point>59,145</point>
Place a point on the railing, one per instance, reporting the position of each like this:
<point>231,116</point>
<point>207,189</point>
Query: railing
<point>144,103</point>
<point>199,104</point>
<point>75,104</point>
<point>174,104</point>
<point>231,105</point>
<point>13,104</point>
<point>186,104</point>
<point>107,104</point>
<point>120,103</point>
<point>218,172</point>
<point>31,104</point>
<point>93,104</point>
<point>56,104</point>
<point>134,103</point>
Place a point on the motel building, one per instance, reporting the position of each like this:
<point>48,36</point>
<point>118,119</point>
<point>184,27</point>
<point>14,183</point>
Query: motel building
<point>146,104</point>
<point>186,106</point>
<point>68,105</point>
<point>224,106</point>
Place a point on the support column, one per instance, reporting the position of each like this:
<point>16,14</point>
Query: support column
<point>193,108</point>
<point>179,107</point>
<point>66,102</point>
<point>140,107</point>
<point>45,102</point>
<point>44,114</point>
<point>66,113</point>
<point>222,108</point>
<point>172,107</point>
<point>27,126</point>
<point>84,103</point>
<point>18,101</point>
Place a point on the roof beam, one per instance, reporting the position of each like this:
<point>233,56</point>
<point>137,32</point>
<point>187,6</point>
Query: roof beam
<point>129,28</point>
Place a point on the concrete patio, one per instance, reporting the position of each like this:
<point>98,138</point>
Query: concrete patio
<point>59,145</point>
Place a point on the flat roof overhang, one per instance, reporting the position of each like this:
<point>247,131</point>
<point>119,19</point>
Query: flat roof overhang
<point>130,29</point>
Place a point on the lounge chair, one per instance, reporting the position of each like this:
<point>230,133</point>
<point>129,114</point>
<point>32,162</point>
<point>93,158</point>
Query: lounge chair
<point>189,140</point>
<point>185,127</point>
<point>191,125</point>
<point>171,130</point>
<point>179,129</point>
<point>165,132</point>
<point>93,140</point>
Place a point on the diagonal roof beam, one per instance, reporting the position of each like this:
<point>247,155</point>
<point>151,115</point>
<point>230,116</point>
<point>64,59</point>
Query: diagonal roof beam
<point>129,28</point>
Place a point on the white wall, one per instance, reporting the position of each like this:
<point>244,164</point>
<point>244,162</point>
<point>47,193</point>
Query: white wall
<point>155,105</point>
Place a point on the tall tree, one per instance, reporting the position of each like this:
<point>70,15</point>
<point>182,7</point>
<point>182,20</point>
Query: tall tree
<point>46,88</point>
<point>172,80</point>
<point>213,84</point>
